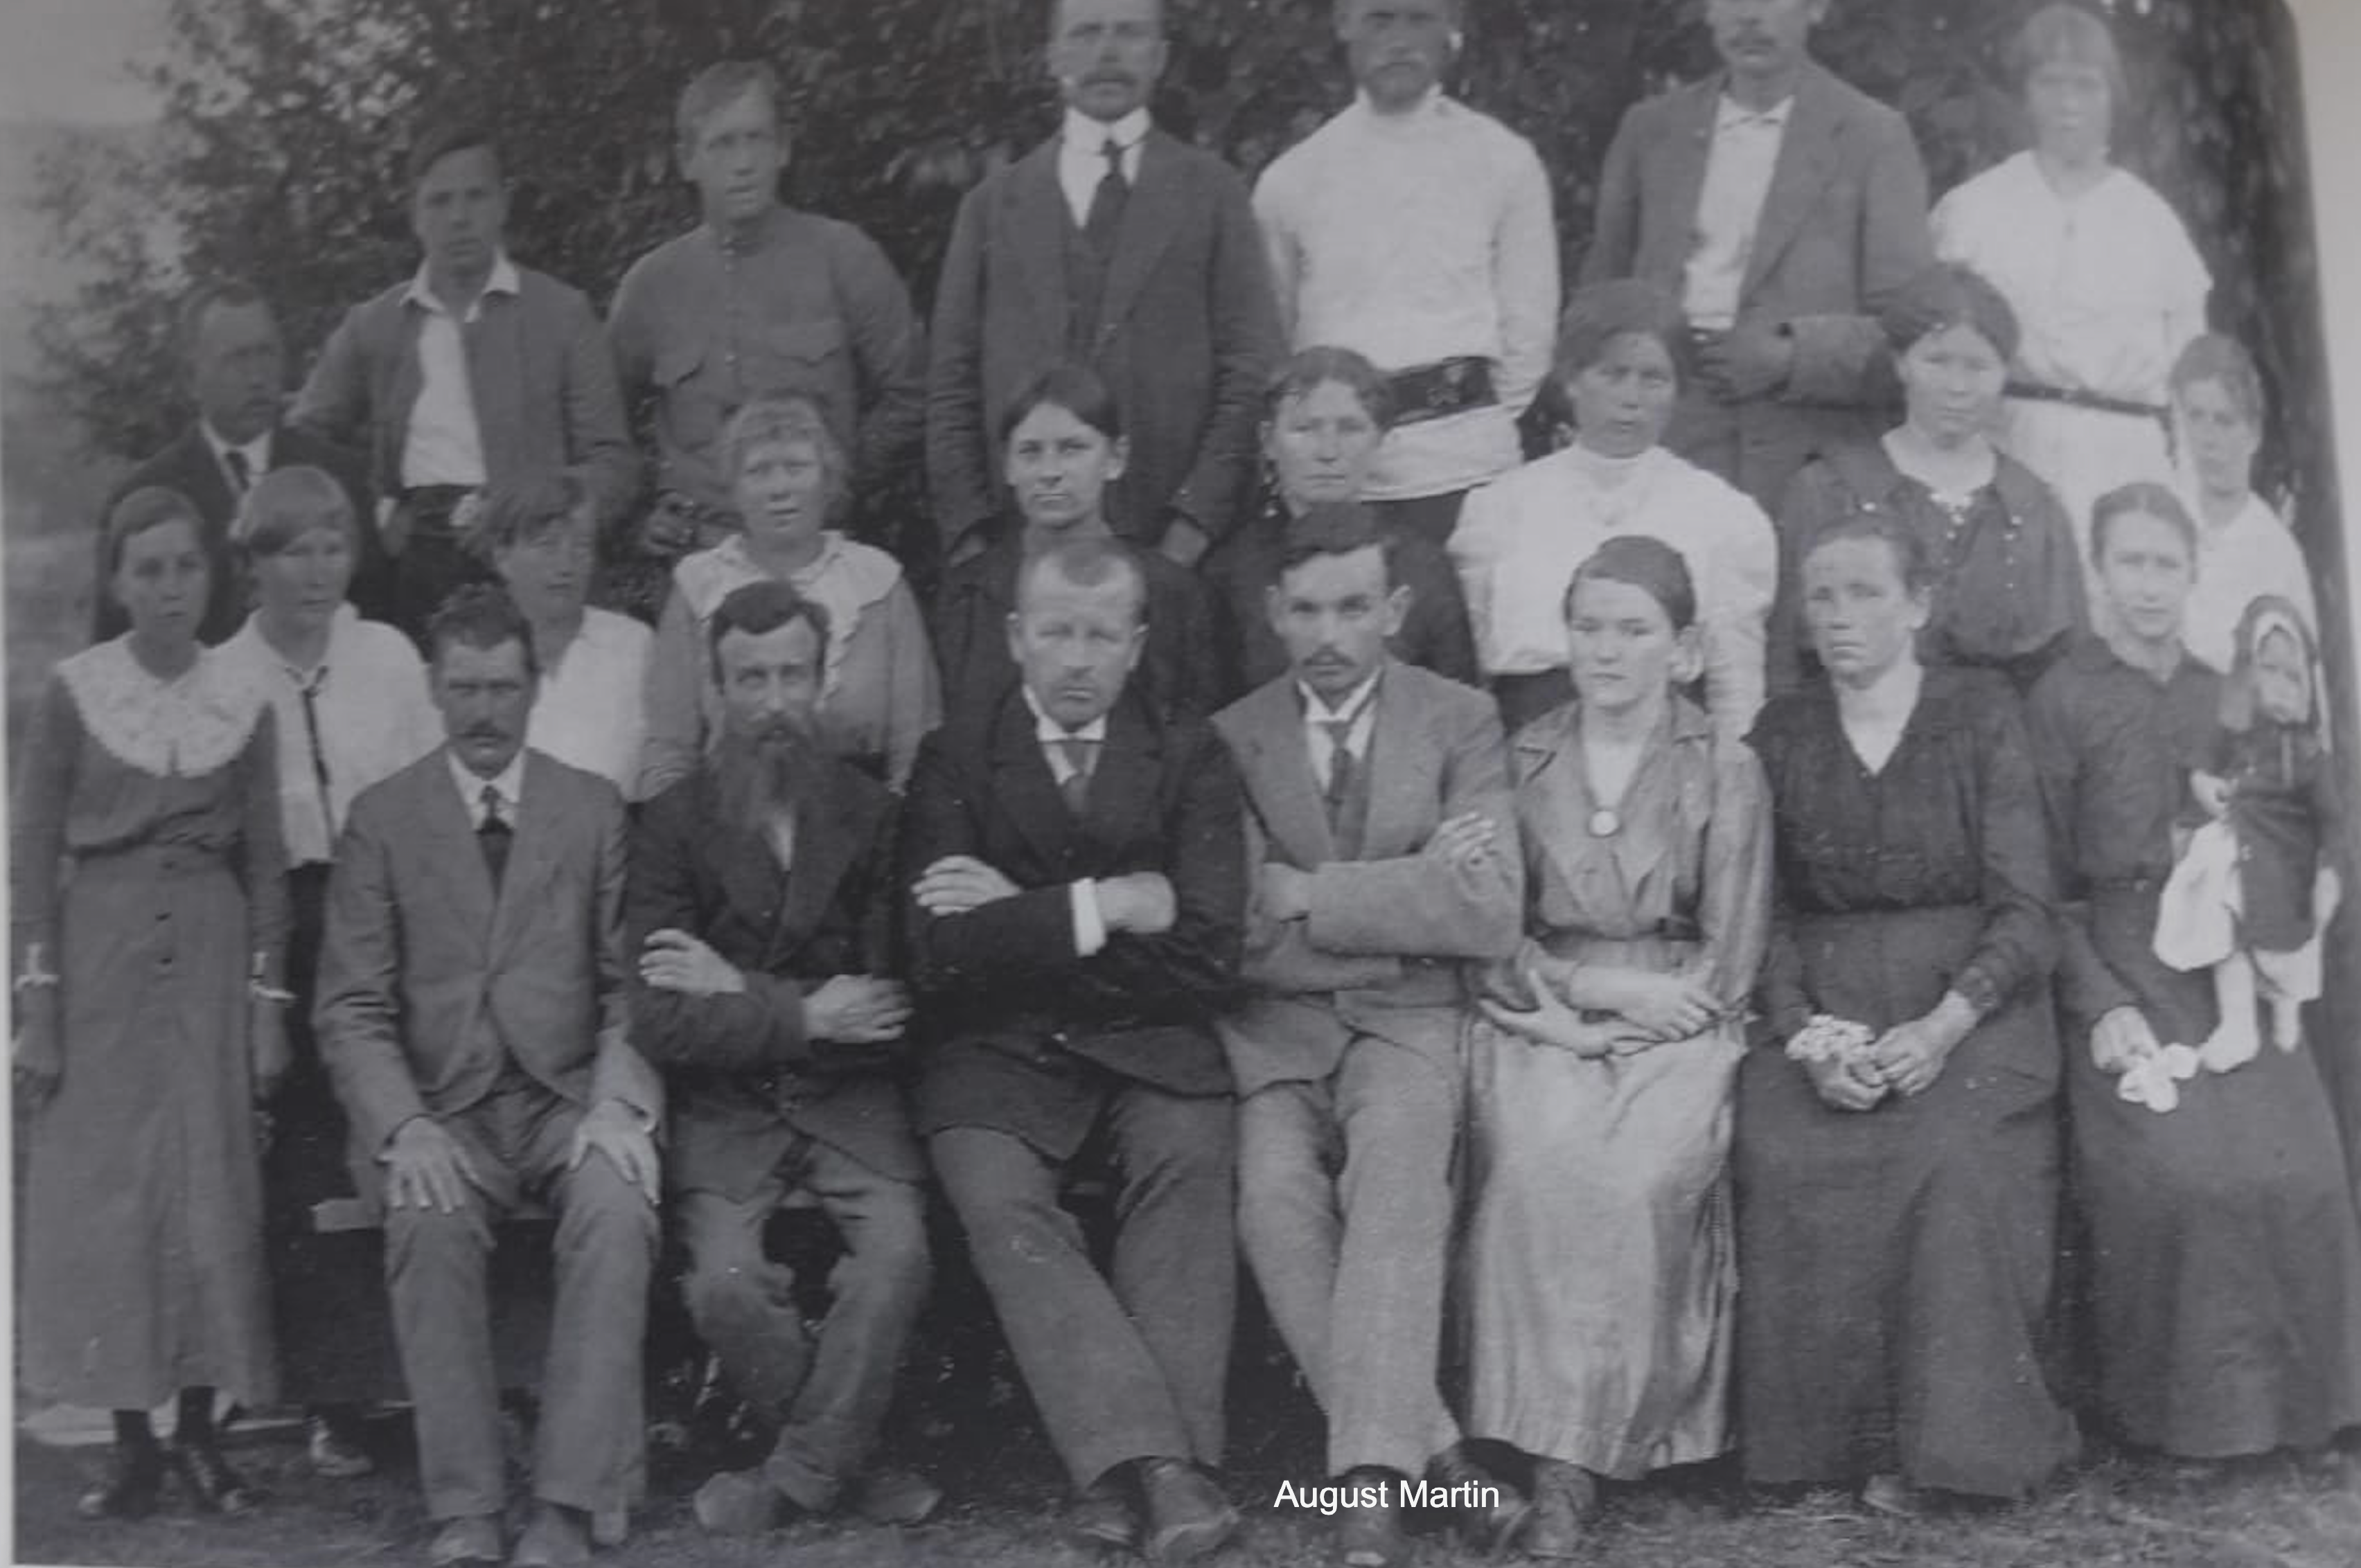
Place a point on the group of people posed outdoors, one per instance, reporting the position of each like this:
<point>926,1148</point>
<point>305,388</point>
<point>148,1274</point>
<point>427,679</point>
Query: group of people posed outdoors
<point>1650,953</point>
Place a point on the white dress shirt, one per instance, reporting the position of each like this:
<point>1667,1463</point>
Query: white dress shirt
<point>442,445</point>
<point>257,454</point>
<point>2238,561</point>
<point>592,710</point>
<point>509,784</point>
<point>1360,707</point>
<point>1089,924</point>
<point>1738,170</point>
<point>1082,155</point>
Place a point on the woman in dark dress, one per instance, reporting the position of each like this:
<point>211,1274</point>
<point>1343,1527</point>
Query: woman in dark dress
<point>1326,414</point>
<point>2004,588</point>
<point>149,920</point>
<point>1897,1202</point>
<point>2222,1241</point>
<point>1062,445</point>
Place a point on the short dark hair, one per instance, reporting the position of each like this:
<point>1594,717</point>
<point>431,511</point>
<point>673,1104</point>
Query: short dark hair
<point>2143,498</point>
<point>1644,562</point>
<point>1910,555</point>
<point>479,616</point>
<point>525,509</point>
<point>229,294</point>
<point>150,506</point>
<point>1598,313</point>
<point>2217,356</point>
<point>1088,564</point>
<point>440,136</point>
<point>1334,528</point>
<point>725,82</point>
<point>1308,369</point>
<point>759,609</point>
<point>1077,388</point>
<point>1945,296</point>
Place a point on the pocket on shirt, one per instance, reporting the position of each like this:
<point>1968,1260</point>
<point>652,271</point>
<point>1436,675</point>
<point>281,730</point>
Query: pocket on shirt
<point>693,404</point>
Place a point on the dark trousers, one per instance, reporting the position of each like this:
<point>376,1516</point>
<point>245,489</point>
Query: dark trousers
<point>587,1450</point>
<point>1129,1364</point>
<point>432,565</point>
<point>829,1392</point>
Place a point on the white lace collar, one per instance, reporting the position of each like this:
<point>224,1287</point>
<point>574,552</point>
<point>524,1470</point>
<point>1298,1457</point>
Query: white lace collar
<point>194,724</point>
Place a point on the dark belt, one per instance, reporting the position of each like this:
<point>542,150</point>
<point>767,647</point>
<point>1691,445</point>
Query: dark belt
<point>1444,387</point>
<point>2075,397</point>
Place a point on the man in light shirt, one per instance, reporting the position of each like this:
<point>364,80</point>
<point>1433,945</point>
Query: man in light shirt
<point>1418,232</point>
<point>1782,208</point>
<point>474,371</point>
<point>1115,246</point>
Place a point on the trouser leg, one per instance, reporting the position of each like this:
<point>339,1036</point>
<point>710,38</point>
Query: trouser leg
<point>1289,1225</point>
<point>740,1301</point>
<point>434,1271</point>
<point>1176,1246</point>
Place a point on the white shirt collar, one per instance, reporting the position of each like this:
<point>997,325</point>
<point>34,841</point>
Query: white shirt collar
<point>510,783</point>
<point>1083,135</point>
<point>502,279</point>
<point>258,451</point>
<point>1357,702</point>
<point>257,647</point>
<point>1049,731</point>
<point>1729,114</point>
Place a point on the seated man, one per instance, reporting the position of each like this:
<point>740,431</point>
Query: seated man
<point>1379,824</point>
<point>471,1014</point>
<point>760,899</point>
<point>1079,885</point>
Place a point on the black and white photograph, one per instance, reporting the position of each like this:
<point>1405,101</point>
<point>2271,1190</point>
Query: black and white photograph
<point>1384,782</point>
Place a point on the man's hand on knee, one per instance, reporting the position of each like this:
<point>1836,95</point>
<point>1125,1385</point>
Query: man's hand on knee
<point>427,1167</point>
<point>624,1136</point>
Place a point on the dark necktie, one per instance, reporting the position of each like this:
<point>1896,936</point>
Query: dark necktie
<point>1108,201</point>
<point>311,692</point>
<point>493,836</point>
<point>241,472</point>
<point>1079,755</point>
<point>1340,767</point>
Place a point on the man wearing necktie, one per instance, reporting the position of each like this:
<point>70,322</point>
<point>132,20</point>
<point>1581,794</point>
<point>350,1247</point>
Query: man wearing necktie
<point>1116,247</point>
<point>1382,833</point>
<point>1077,877</point>
<point>472,1016</point>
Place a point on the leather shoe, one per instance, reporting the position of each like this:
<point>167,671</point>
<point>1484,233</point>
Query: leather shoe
<point>334,1451</point>
<point>887,1496</point>
<point>1101,1516</point>
<point>1370,1534</point>
<point>558,1536</point>
<point>1489,1527</point>
<point>1187,1515</point>
<point>470,1542</point>
<point>212,1485</point>
<point>1566,1500</point>
<point>135,1476</point>
<point>739,1502</point>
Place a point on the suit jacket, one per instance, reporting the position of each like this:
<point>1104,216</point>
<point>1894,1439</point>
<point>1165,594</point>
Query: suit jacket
<point>1012,1006</point>
<point>538,366</point>
<point>426,974</point>
<point>188,465</point>
<point>1187,333</point>
<point>1381,951</point>
<point>745,1075</point>
<point>1843,227</point>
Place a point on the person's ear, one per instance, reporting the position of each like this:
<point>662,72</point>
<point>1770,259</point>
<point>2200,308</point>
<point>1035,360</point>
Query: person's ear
<point>1121,459</point>
<point>1398,601</point>
<point>1689,654</point>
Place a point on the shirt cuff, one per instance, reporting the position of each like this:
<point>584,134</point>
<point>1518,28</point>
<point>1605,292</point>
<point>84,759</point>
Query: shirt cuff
<point>1089,925</point>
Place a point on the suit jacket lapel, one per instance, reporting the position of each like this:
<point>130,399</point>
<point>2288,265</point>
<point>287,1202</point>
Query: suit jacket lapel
<point>208,486</point>
<point>538,829</point>
<point>1279,766</point>
<point>1022,783</point>
<point>1038,225</point>
<point>450,842</point>
<point>1150,220</point>
<point>1401,769</point>
<point>825,843</point>
<point>1808,160</point>
<point>1680,183</point>
<point>1123,783</point>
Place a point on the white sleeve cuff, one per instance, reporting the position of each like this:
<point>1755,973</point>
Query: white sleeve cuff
<point>1089,925</point>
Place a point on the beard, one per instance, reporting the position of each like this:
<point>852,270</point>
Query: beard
<point>764,777</point>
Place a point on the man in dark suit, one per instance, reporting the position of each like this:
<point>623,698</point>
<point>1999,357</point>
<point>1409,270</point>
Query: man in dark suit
<point>1383,841</point>
<point>1078,882</point>
<point>1113,245</point>
<point>761,894</point>
<point>1782,208</point>
<point>236,366</point>
<point>471,1012</point>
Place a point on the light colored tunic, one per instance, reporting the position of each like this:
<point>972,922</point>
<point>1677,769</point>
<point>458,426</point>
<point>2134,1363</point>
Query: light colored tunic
<point>1599,1276</point>
<point>591,711</point>
<point>2252,554</point>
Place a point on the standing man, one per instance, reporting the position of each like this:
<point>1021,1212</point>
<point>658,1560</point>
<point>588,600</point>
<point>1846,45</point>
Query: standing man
<point>1782,208</point>
<point>762,894</point>
<point>757,300</point>
<point>1382,837</point>
<point>472,1016</point>
<point>236,367</point>
<point>1116,247</point>
<point>1078,891</point>
<point>1417,231</point>
<point>474,372</point>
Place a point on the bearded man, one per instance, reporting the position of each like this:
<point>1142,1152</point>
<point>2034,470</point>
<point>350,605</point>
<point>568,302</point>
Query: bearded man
<point>759,906</point>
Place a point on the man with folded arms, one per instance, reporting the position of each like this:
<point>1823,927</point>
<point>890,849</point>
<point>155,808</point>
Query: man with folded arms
<point>1418,232</point>
<point>1077,877</point>
<point>762,896</point>
<point>1381,835</point>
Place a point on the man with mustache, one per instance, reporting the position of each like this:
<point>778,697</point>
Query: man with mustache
<point>1116,247</point>
<point>1783,208</point>
<point>1077,883</point>
<point>760,298</point>
<point>471,1013</point>
<point>762,899</point>
<point>1383,841</point>
<point>1418,232</point>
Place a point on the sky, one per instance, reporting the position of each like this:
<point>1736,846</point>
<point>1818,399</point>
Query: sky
<point>62,60</point>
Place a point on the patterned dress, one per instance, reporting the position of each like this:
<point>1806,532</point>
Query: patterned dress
<point>143,1240</point>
